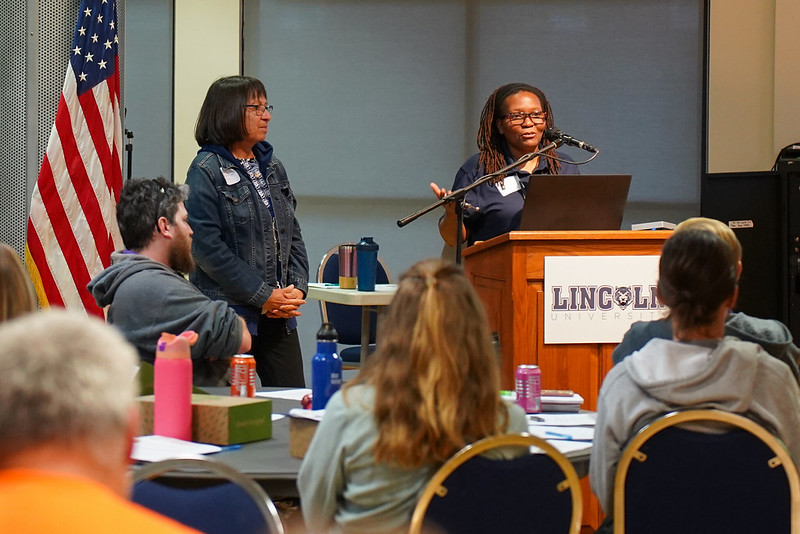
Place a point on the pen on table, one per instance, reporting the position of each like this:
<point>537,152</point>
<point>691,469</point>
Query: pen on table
<point>536,418</point>
<point>558,435</point>
<point>224,448</point>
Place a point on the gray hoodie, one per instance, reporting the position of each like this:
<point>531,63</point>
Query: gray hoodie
<point>732,375</point>
<point>772,335</point>
<point>146,298</point>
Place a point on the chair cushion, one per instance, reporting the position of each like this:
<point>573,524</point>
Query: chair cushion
<point>480,493</point>
<point>724,485</point>
<point>213,507</point>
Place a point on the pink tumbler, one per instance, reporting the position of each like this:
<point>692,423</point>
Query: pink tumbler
<point>173,386</point>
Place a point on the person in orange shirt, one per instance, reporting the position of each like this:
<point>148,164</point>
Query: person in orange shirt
<point>67,421</point>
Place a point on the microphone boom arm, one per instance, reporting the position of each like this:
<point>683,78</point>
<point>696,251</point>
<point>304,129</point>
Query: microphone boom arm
<point>459,195</point>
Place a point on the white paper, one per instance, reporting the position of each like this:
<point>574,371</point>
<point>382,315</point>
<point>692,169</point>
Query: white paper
<point>562,419</point>
<point>566,447</point>
<point>158,448</point>
<point>558,399</point>
<point>314,415</point>
<point>289,394</point>
<point>562,433</point>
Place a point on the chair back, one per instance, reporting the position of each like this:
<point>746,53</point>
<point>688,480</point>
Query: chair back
<point>530,492</point>
<point>739,479</point>
<point>346,319</point>
<point>211,497</point>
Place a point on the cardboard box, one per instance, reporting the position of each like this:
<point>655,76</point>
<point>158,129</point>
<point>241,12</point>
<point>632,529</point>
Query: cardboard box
<point>219,419</point>
<point>300,433</point>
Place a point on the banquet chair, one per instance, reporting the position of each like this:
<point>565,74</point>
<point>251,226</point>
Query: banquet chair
<point>484,488</point>
<point>347,319</point>
<point>672,479</point>
<point>210,496</point>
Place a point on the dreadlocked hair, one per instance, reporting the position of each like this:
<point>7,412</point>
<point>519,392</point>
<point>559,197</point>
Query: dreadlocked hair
<point>491,141</point>
<point>434,372</point>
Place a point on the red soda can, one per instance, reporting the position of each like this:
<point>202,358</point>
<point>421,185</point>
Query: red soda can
<point>243,376</point>
<point>528,380</point>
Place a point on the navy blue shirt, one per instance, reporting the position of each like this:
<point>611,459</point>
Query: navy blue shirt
<point>498,214</point>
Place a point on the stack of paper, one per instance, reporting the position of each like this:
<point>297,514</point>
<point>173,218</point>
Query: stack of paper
<point>561,403</point>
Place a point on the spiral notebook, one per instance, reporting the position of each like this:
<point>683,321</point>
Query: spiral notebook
<point>575,202</point>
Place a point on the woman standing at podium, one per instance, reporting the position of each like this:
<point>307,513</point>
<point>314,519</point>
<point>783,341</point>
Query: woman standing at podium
<point>513,122</point>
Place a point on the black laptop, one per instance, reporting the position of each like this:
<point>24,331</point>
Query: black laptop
<point>575,202</point>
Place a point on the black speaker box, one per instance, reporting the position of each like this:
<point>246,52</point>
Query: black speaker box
<point>763,209</point>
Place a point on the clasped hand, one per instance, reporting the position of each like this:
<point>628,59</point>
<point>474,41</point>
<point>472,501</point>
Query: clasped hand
<point>283,303</point>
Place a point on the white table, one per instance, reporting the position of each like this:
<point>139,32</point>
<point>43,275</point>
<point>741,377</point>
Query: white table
<point>368,300</point>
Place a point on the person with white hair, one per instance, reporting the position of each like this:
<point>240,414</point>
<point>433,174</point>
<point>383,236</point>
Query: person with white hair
<point>67,420</point>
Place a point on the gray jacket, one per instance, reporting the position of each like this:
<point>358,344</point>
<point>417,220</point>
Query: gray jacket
<point>772,335</point>
<point>146,298</point>
<point>734,376</point>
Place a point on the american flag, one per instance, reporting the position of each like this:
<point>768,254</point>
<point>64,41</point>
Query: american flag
<point>72,227</point>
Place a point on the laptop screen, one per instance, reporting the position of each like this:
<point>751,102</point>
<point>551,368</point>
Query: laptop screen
<point>575,202</point>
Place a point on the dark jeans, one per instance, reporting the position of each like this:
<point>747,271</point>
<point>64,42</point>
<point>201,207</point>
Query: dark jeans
<point>279,362</point>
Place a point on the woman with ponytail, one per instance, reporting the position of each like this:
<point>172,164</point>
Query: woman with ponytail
<point>431,388</point>
<point>699,367</point>
<point>513,122</point>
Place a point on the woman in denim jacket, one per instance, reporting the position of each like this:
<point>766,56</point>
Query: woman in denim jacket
<point>247,242</point>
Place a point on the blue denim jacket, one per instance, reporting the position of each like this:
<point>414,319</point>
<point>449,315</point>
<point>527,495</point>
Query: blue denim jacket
<point>232,243</point>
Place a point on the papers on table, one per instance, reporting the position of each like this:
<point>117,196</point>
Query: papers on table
<point>566,447</point>
<point>314,415</point>
<point>288,394</point>
<point>567,432</point>
<point>562,419</point>
<point>157,448</point>
<point>574,433</point>
<point>561,403</point>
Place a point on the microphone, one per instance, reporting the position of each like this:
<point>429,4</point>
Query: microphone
<point>556,135</point>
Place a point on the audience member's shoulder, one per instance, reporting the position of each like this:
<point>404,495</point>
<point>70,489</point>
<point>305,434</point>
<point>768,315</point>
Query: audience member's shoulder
<point>517,419</point>
<point>638,335</point>
<point>756,329</point>
<point>356,399</point>
<point>659,328</point>
<point>749,349</point>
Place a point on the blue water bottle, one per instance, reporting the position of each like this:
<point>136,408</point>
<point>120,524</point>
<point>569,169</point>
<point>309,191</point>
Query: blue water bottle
<point>326,368</point>
<point>367,259</point>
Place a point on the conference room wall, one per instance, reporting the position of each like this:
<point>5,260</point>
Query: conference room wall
<point>754,75</point>
<point>373,100</point>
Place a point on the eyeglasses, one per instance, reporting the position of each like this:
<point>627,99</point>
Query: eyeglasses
<point>259,109</point>
<point>518,117</point>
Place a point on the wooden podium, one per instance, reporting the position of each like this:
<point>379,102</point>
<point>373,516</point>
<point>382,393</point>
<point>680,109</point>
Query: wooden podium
<point>508,274</point>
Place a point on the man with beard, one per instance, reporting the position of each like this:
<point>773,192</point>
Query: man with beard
<point>145,288</point>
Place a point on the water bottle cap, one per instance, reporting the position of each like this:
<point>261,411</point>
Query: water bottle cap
<point>171,346</point>
<point>327,333</point>
<point>367,243</point>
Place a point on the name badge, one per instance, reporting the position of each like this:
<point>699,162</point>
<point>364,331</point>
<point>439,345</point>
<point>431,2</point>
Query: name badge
<point>231,176</point>
<point>509,184</point>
